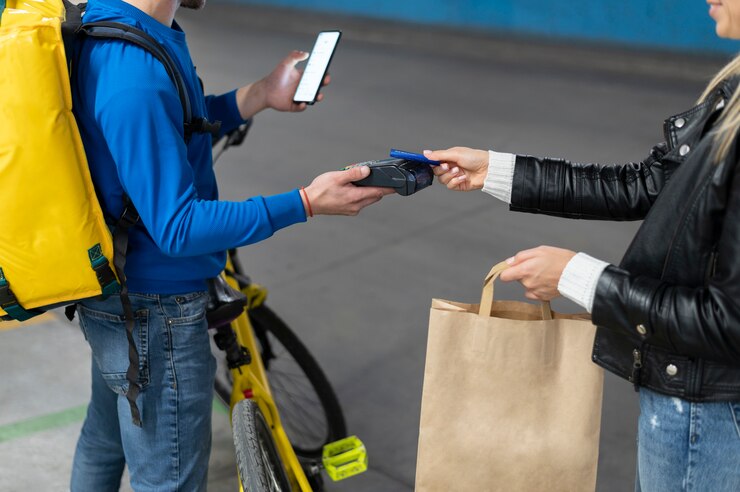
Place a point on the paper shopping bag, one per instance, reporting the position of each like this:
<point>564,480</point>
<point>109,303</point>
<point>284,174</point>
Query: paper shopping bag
<point>511,399</point>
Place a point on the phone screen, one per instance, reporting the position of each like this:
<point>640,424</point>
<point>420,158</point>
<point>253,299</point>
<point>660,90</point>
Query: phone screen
<point>318,63</point>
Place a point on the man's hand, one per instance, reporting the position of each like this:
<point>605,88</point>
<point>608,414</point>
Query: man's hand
<point>276,90</point>
<point>462,169</point>
<point>539,270</point>
<point>333,193</point>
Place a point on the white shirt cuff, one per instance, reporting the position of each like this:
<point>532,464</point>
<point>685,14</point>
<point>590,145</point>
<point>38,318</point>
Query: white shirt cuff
<point>500,176</point>
<point>579,279</point>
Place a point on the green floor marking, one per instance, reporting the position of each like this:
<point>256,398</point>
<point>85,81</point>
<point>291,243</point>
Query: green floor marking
<point>17,430</point>
<point>33,425</point>
<point>219,407</point>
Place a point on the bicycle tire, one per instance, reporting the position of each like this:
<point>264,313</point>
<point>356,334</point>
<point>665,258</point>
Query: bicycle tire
<point>265,321</point>
<point>260,468</point>
<point>292,413</point>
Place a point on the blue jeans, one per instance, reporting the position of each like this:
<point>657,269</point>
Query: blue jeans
<point>176,371</point>
<point>684,446</point>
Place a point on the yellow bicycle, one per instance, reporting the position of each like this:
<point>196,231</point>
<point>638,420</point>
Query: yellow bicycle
<point>286,418</point>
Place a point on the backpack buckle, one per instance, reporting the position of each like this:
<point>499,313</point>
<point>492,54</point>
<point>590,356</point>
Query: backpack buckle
<point>129,217</point>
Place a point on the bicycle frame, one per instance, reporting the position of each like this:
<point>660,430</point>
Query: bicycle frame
<point>250,381</point>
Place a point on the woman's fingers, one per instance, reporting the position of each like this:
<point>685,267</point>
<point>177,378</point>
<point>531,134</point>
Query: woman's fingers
<point>449,155</point>
<point>441,169</point>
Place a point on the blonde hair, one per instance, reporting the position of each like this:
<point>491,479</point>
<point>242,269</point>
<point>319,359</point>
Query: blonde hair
<point>725,130</point>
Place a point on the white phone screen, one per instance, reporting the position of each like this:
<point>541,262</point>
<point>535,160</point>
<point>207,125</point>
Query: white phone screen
<point>316,67</point>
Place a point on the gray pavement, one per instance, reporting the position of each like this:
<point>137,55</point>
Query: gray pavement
<point>358,290</point>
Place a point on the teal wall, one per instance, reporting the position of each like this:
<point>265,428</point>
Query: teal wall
<point>673,24</point>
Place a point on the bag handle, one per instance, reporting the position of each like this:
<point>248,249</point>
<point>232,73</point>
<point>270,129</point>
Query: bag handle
<point>486,299</point>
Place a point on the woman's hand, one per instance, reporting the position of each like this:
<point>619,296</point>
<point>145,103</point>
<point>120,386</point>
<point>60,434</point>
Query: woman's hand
<point>462,169</point>
<point>276,90</point>
<point>539,271</point>
<point>333,193</point>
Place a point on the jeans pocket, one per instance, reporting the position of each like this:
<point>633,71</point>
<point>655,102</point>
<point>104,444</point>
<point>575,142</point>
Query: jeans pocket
<point>735,415</point>
<point>189,338</point>
<point>106,334</point>
<point>192,315</point>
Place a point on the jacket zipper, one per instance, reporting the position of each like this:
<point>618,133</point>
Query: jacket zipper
<point>636,368</point>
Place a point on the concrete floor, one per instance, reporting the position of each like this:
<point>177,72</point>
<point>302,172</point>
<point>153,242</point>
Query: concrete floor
<point>358,290</point>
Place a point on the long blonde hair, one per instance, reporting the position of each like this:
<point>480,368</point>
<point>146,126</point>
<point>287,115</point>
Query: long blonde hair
<point>727,126</point>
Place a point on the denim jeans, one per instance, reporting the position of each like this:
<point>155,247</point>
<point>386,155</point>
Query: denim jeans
<point>176,371</point>
<point>684,446</point>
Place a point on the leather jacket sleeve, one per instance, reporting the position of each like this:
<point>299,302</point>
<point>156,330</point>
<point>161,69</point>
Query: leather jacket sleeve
<point>589,191</point>
<point>696,321</point>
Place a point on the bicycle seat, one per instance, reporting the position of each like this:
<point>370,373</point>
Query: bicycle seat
<point>225,303</point>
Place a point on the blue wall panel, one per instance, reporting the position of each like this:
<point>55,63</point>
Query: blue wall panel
<point>673,24</point>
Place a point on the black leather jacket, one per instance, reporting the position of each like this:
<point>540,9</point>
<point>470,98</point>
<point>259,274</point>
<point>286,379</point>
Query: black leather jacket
<point>669,316</point>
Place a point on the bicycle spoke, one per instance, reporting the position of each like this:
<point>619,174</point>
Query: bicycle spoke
<point>304,437</point>
<point>288,375</point>
<point>274,484</point>
<point>300,407</point>
<point>310,399</point>
<point>295,375</point>
<point>303,417</point>
<point>318,420</point>
<point>281,387</point>
<point>299,420</point>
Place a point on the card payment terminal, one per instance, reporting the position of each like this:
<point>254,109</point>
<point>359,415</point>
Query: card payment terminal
<point>404,176</point>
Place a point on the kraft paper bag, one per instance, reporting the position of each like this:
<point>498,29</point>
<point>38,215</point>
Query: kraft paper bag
<point>511,399</point>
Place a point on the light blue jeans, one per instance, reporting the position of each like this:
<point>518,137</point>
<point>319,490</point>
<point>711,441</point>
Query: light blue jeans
<point>684,446</point>
<point>170,452</point>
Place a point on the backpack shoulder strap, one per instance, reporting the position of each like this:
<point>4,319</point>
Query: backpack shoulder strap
<point>131,34</point>
<point>71,24</point>
<point>129,217</point>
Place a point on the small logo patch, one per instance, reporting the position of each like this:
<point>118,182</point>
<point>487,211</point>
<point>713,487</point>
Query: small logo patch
<point>95,253</point>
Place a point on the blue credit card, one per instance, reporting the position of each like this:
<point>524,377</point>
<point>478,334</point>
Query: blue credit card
<point>411,156</point>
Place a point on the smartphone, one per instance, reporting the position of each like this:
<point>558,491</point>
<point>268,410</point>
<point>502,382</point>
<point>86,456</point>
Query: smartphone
<point>412,156</point>
<point>317,66</point>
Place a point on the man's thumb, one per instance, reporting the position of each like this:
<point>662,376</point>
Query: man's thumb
<point>296,57</point>
<point>357,173</point>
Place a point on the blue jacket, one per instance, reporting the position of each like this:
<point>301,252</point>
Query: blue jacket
<point>131,122</point>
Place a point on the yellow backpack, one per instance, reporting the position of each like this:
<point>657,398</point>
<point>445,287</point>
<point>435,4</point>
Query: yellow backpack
<point>55,247</point>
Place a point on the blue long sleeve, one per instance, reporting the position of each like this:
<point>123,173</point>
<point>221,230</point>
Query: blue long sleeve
<point>131,122</point>
<point>223,108</point>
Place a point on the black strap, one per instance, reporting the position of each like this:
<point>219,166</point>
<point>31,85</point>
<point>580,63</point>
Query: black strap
<point>71,25</point>
<point>119,30</point>
<point>10,304</point>
<point>202,125</point>
<point>69,311</point>
<point>128,218</point>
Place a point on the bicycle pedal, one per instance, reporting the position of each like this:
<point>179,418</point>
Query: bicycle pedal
<point>344,458</point>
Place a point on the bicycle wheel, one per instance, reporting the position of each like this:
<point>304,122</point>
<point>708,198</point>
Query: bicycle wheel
<point>309,409</point>
<point>260,468</point>
<point>308,406</point>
